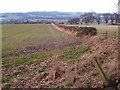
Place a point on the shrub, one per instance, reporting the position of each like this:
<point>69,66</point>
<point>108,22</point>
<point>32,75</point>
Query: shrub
<point>86,31</point>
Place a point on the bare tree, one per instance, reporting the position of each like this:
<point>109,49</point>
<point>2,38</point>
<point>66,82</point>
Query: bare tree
<point>117,18</point>
<point>88,17</point>
<point>112,18</point>
<point>98,19</point>
<point>106,17</point>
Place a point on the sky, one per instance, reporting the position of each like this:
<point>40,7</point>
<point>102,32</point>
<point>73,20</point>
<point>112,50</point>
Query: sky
<point>100,6</point>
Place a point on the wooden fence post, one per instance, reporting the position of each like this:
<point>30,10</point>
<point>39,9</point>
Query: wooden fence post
<point>100,71</point>
<point>114,35</point>
<point>89,34</point>
<point>106,35</point>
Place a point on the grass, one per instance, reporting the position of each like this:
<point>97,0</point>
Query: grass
<point>111,29</point>
<point>17,37</point>
<point>69,54</point>
<point>41,70</point>
<point>16,61</point>
<point>73,54</point>
<point>16,73</point>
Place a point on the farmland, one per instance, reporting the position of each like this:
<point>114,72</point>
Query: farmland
<point>26,39</point>
<point>40,56</point>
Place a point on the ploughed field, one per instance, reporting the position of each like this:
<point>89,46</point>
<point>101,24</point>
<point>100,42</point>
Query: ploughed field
<point>31,38</point>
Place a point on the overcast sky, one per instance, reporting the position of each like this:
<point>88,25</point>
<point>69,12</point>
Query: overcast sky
<point>101,6</point>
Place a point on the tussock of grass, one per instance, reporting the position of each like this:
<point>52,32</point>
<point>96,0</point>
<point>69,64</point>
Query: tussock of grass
<point>41,70</point>
<point>16,73</point>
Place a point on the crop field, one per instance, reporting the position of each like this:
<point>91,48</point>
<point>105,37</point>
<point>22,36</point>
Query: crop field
<point>111,29</point>
<point>40,55</point>
<point>33,44</point>
<point>26,39</point>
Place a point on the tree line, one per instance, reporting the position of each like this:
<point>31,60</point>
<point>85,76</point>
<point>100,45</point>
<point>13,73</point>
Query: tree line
<point>89,18</point>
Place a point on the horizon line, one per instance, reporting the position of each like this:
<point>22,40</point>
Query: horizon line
<point>55,11</point>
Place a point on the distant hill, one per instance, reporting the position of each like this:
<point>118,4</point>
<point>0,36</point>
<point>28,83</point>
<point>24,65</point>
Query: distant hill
<point>41,15</point>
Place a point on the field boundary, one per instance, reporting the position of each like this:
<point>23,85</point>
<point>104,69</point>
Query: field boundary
<point>75,31</point>
<point>66,32</point>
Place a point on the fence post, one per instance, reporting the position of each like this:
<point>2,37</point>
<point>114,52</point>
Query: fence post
<point>106,35</point>
<point>114,35</point>
<point>100,71</point>
<point>89,34</point>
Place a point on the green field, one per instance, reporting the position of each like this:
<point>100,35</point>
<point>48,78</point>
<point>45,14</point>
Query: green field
<point>41,42</point>
<point>111,29</point>
<point>32,38</point>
